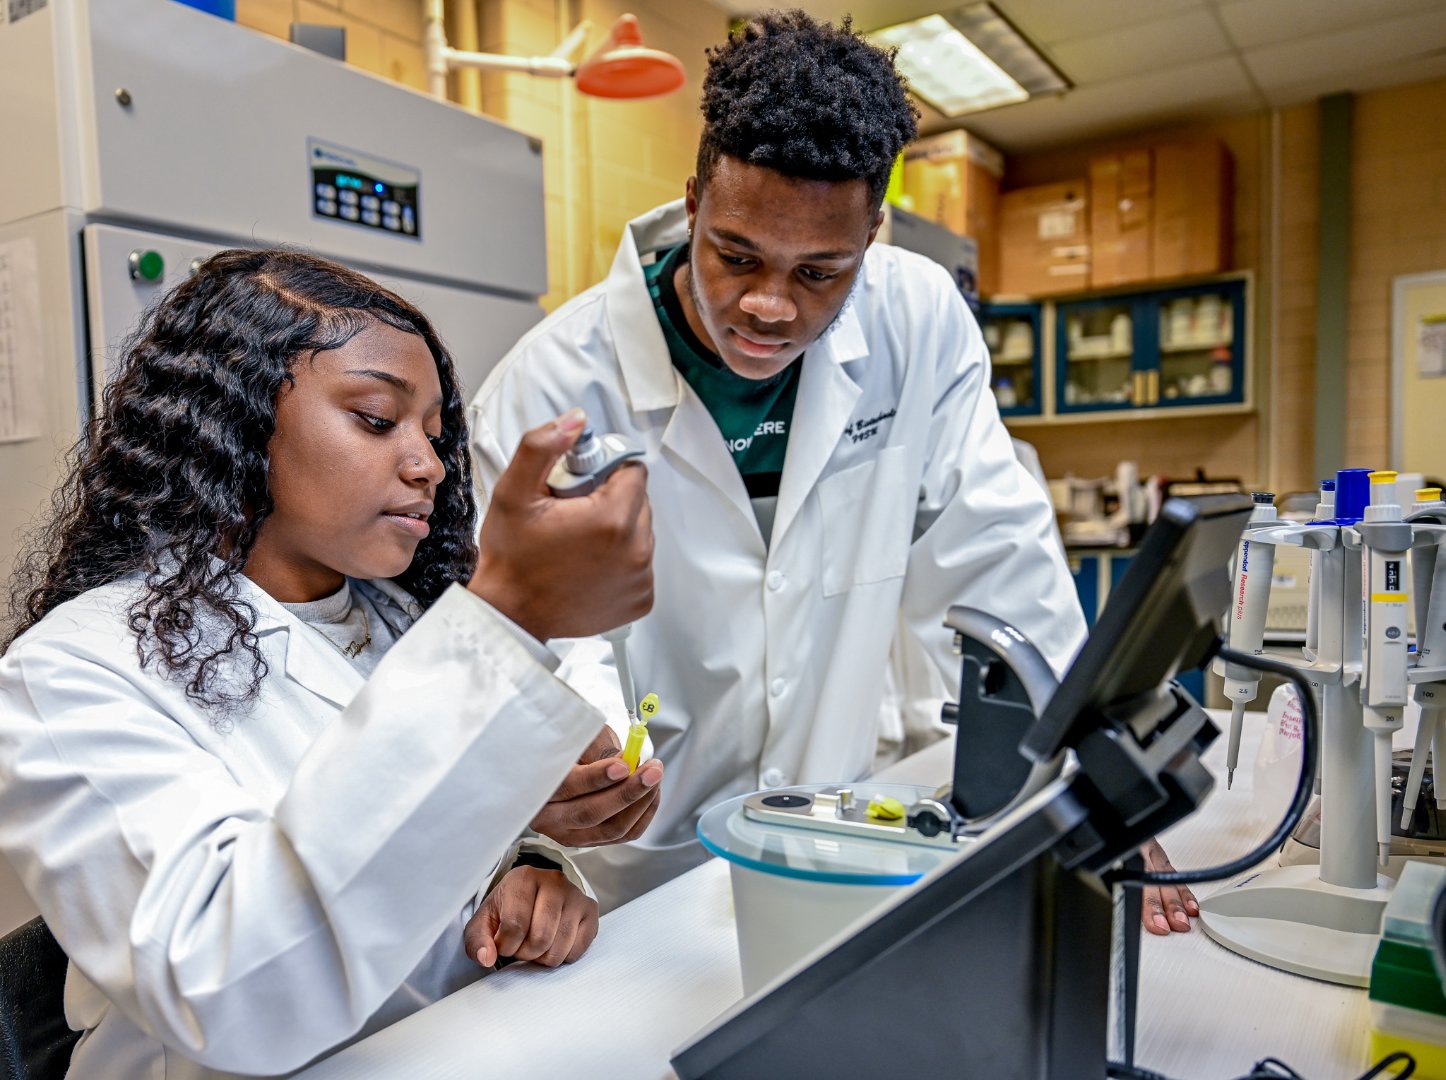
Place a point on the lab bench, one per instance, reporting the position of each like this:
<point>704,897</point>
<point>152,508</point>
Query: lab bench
<point>666,964</point>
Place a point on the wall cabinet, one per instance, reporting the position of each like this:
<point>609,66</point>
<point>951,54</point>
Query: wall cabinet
<point>1014,334</point>
<point>1124,354</point>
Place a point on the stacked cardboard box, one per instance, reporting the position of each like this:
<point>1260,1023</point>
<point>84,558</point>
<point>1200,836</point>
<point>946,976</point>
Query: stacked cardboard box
<point>1044,246</point>
<point>1193,218</point>
<point>1121,210</point>
<point>953,180</point>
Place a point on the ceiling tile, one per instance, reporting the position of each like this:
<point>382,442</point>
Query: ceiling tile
<point>1253,23</point>
<point>1150,46</point>
<point>1358,80</point>
<point>1340,56</point>
<point>1183,92</point>
<point>1048,22</point>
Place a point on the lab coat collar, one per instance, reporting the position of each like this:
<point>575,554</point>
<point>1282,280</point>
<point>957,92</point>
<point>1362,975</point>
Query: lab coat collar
<point>827,393</point>
<point>647,369</point>
<point>307,658</point>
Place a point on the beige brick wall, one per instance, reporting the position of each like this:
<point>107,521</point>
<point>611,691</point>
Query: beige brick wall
<point>1289,409</point>
<point>382,36</point>
<point>618,159</point>
<point>604,162</point>
<point>1398,226</point>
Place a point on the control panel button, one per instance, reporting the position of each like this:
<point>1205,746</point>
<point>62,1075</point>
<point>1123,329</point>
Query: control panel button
<point>147,266</point>
<point>326,206</point>
<point>325,191</point>
<point>351,213</point>
<point>349,198</point>
<point>391,206</point>
<point>391,221</point>
<point>372,218</point>
<point>409,220</point>
<point>371,202</point>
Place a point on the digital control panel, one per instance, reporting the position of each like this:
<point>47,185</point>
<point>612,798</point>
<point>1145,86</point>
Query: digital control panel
<point>354,188</point>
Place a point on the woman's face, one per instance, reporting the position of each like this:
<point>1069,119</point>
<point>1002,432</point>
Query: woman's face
<point>353,474</point>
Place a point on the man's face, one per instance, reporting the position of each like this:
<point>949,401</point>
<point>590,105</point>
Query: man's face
<point>772,261</point>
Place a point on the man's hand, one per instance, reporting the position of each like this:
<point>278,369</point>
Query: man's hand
<point>535,915</point>
<point>1165,907</point>
<point>565,567</point>
<point>599,802</point>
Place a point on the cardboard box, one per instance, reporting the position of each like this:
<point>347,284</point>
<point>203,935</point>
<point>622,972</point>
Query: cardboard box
<point>953,180</point>
<point>1121,200</point>
<point>1193,221</point>
<point>1044,242</point>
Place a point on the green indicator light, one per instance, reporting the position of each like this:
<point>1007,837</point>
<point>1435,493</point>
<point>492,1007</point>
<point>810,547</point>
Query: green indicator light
<point>147,265</point>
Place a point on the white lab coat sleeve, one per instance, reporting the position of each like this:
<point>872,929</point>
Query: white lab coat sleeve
<point>983,534</point>
<point>586,663</point>
<point>251,936</point>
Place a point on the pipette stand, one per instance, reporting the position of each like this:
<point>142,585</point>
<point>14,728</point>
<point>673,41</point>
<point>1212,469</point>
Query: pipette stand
<point>1324,921</point>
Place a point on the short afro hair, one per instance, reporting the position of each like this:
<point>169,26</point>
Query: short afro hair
<point>807,99</point>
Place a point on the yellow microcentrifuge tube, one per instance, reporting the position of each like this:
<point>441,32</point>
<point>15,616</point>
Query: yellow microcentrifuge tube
<point>638,731</point>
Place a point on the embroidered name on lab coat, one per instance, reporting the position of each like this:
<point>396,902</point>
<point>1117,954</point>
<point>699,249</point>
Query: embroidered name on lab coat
<point>862,430</point>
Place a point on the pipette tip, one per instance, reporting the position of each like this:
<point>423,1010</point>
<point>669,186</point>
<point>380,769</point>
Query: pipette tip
<point>1229,778</point>
<point>1384,853</point>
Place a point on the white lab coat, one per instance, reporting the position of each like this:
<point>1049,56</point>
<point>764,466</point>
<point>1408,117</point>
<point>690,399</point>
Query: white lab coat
<point>900,496</point>
<point>255,890</point>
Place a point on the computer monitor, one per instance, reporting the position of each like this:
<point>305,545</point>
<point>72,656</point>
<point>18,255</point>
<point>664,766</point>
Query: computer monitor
<point>998,962</point>
<point>1163,618</point>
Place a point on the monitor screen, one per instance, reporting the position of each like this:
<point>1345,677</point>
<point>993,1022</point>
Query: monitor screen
<point>1163,618</point>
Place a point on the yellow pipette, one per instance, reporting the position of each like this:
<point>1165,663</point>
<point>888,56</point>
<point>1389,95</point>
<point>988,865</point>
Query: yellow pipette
<point>638,731</point>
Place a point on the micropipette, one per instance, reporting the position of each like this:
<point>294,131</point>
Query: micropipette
<point>580,472</point>
<point>1429,589</point>
<point>1385,541</point>
<point>1250,596</point>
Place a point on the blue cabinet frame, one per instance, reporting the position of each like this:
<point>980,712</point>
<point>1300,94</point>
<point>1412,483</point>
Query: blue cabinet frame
<point>1034,314</point>
<point>1150,355</point>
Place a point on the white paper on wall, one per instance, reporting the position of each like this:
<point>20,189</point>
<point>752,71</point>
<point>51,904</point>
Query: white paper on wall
<point>21,369</point>
<point>1431,346</point>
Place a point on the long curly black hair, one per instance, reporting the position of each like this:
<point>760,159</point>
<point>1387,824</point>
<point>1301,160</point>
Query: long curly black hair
<point>807,99</point>
<point>170,480</point>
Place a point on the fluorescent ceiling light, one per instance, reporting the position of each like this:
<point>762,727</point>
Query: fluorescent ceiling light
<point>969,59</point>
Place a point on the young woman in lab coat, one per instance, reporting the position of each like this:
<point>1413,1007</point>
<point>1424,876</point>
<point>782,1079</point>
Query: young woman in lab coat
<point>263,758</point>
<point>827,464</point>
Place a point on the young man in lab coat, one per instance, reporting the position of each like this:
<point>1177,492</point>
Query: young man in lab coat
<point>827,466</point>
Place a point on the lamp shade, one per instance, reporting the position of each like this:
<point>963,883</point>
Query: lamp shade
<point>624,68</point>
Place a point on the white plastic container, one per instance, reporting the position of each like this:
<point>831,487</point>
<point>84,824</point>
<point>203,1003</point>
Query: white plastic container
<point>796,887</point>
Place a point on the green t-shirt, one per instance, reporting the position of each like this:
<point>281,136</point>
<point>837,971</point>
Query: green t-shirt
<point>754,415</point>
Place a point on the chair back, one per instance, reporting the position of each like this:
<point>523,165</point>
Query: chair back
<point>35,1041</point>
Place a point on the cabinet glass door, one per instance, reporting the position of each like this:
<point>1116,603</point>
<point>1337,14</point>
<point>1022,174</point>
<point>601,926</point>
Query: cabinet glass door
<point>1201,347</point>
<point>1096,350</point>
<point>1012,333</point>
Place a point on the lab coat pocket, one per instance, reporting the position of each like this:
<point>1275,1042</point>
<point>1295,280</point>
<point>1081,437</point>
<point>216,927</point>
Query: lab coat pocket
<point>868,519</point>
